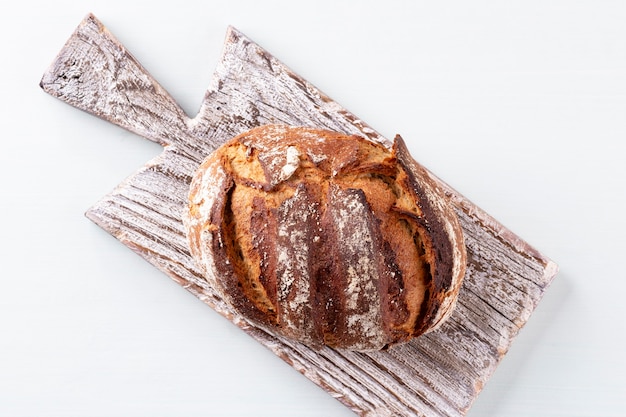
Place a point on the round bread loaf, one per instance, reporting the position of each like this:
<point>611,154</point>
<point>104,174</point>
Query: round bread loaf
<point>325,238</point>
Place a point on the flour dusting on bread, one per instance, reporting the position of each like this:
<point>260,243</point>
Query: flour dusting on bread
<point>328,239</point>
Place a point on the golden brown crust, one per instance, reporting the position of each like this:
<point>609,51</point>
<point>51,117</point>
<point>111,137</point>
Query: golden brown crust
<point>325,238</point>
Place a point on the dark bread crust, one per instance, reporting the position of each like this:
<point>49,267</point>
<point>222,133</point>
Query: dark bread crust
<point>325,238</point>
<point>447,238</point>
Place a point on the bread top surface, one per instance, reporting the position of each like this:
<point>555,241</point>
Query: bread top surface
<point>325,238</point>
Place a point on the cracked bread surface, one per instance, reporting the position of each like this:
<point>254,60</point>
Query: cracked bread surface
<point>325,238</point>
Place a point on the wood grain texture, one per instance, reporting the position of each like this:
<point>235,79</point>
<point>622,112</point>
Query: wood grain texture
<point>439,374</point>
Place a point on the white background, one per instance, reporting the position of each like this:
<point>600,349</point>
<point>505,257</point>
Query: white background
<point>519,105</point>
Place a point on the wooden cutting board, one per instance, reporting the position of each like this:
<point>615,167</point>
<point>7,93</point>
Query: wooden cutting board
<point>439,374</point>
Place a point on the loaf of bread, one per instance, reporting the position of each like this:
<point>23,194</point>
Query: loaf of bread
<point>328,239</point>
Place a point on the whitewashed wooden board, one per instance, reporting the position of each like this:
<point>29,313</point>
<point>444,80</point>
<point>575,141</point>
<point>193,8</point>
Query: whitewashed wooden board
<point>439,374</point>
